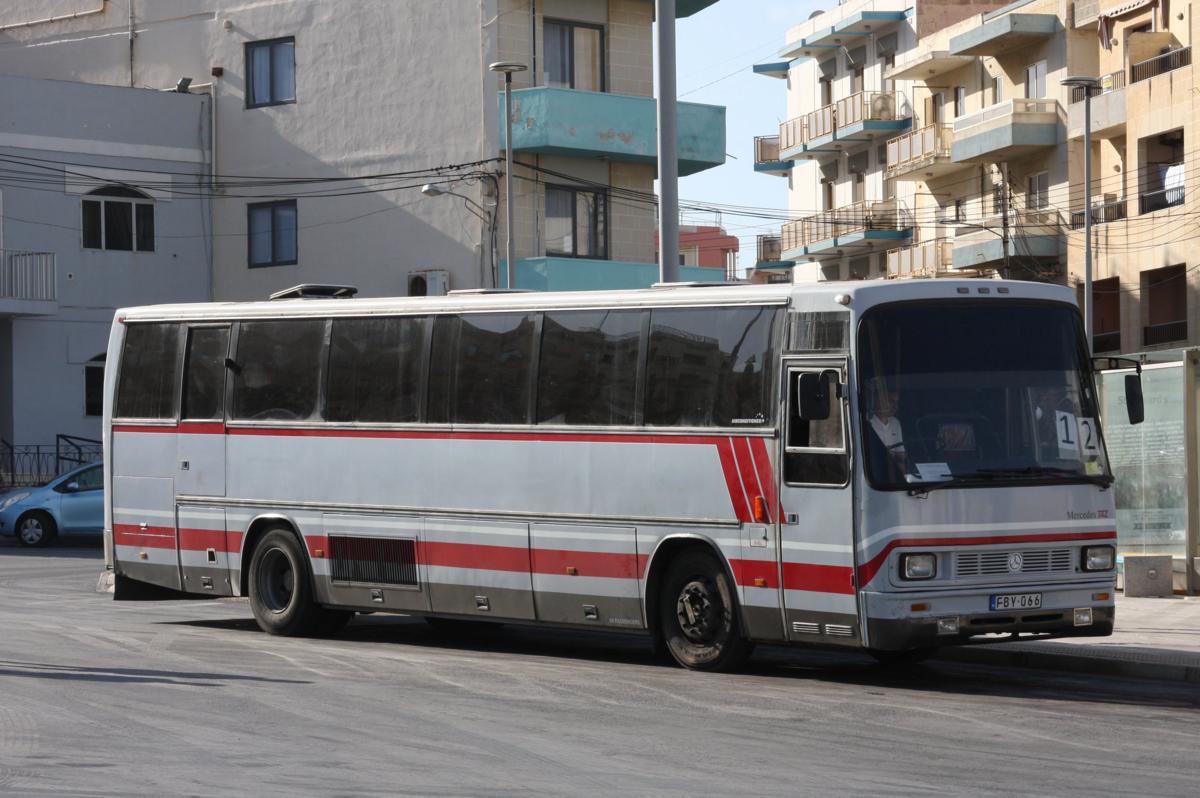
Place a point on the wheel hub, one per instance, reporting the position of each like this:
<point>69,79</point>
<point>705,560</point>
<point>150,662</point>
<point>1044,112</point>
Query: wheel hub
<point>31,531</point>
<point>697,612</point>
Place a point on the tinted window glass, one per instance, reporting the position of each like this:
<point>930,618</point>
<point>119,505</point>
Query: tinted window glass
<point>816,467</point>
<point>204,373</point>
<point>711,367</point>
<point>90,479</point>
<point>491,374</point>
<point>279,370</point>
<point>587,371</point>
<point>149,366</point>
<point>375,369</point>
<point>441,368</point>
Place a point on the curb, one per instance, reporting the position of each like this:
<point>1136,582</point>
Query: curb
<point>1071,663</point>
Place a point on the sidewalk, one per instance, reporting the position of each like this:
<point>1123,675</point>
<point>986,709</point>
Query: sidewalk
<point>1155,638</point>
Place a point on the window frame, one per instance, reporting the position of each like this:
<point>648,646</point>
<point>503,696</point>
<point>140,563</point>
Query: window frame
<point>602,241</point>
<point>269,44</point>
<point>790,371</point>
<point>173,417</point>
<point>272,206</point>
<point>134,198</point>
<point>571,25</point>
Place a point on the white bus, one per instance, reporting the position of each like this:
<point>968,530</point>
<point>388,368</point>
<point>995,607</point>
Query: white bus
<point>884,466</point>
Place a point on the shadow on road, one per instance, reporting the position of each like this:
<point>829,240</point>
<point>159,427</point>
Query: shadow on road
<point>46,670</point>
<point>769,662</point>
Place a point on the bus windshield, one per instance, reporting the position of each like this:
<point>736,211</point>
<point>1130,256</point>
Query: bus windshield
<point>956,393</point>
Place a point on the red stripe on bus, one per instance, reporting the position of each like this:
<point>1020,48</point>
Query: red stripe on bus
<point>741,451</point>
<point>614,565</point>
<point>766,477</point>
<point>733,483</point>
<point>746,571</point>
<point>818,578</point>
<point>868,570</point>
<point>201,428</point>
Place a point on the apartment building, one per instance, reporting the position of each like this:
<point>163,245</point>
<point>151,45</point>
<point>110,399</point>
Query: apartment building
<point>363,104</point>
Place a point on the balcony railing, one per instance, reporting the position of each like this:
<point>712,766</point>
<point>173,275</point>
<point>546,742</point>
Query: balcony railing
<point>863,106</point>
<point>766,149</point>
<point>918,148</point>
<point>28,276</point>
<point>770,249</point>
<point>1107,341</point>
<point>1147,69</point>
<point>1108,83</point>
<point>858,217</point>
<point>791,133</point>
<point>1171,332</point>
<point>1108,212</point>
<point>926,259</point>
<point>1008,108</point>
<point>1152,201</point>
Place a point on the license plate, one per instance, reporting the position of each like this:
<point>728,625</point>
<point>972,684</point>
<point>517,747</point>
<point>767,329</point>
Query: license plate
<point>1017,601</point>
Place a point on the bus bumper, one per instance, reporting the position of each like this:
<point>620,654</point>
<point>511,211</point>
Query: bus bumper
<point>961,616</point>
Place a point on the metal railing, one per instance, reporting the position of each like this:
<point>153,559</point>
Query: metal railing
<point>28,275</point>
<point>1168,333</point>
<point>1151,201</point>
<point>857,217</point>
<point>918,148</point>
<point>1108,212</point>
<point>766,149</point>
<point>1107,341</point>
<point>926,259</point>
<point>1176,59</point>
<point>859,107</point>
<point>1015,107</point>
<point>792,133</point>
<point>36,464</point>
<point>770,249</point>
<point>1108,83</point>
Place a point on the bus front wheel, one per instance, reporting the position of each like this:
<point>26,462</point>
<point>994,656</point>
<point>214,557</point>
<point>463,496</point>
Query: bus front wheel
<point>698,615</point>
<point>281,593</point>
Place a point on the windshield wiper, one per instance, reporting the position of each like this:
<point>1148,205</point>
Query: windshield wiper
<point>1044,471</point>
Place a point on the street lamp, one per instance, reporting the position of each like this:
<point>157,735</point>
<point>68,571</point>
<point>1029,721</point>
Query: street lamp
<point>508,68</point>
<point>485,213</point>
<point>1088,84</point>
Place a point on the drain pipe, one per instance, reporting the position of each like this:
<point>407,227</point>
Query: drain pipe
<point>132,36</point>
<point>533,41</point>
<point>60,18</point>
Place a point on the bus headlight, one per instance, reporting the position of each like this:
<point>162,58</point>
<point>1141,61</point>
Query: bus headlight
<point>1099,558</point>
<point>918,566</point>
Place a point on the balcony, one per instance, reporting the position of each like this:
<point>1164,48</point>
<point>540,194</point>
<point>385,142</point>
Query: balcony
<point>923,154</point>
<point>28,283</point>
<point>853,120</point>
<point>1158,200</point>
<point>1033,237</point>
<point>1160,64</point>
<point>933,258</point>
<point>1103,213</point>
<point>770,253</point>
<point>1002,33</point>
<point>1087,13</point>
<point>1006,131</point>
<point>616,127</point>
<point>581,274</point>
<point>849,230</point>
<point>845,32</point>
<point>766,157</point>
<point>928,65</point>
<point>1108,108</point>
<point>1168,333</point>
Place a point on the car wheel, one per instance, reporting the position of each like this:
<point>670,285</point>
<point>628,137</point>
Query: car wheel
<point>36,529</point>
<point>698,617</point>
<point>281,594</point>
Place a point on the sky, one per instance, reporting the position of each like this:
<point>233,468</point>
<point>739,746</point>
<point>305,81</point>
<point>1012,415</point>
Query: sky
<point>715,50</point>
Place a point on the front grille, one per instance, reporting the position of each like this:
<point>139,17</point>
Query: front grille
<point>1000,563</point>
<point>375,561</point>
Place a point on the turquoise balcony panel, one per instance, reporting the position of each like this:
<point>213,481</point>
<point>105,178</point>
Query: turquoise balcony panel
<point>579,274</point>
<point>1005,33</point>
<point>1007,131</point>
<point>617,127</point>
<point>987,252</point>
<point>773,69</point>
<point>685,8</point>
<point>844,33</point>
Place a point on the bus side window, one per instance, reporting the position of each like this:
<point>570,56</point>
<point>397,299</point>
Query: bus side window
<point>149,370</point>
<point>816,452</point>
<point>279,370</point>
<point>204,373</point>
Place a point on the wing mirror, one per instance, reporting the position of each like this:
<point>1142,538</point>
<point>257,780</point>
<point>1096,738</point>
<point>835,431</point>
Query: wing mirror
<point>1135,403</point>
<point>813,395</point>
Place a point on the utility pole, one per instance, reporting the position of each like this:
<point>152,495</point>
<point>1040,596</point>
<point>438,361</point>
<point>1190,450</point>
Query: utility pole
<point>668,138</point>
<point>1004,235</point>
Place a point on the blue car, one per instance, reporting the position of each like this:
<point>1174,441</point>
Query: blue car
<point>72,504</point>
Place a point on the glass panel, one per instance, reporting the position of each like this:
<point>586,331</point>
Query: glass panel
<point>815,468</point>
<point>279,370</point>
<point>145,227</point>
<point>558,54</point>
<point>91,225</point>
<point>589,59</point>
<point>441,368</point>
<point>90,479</point>
<point>283,72</point>
<point>260,234</point>
<point>711,367</point>
<point>259,67</point>
<point>118,226</point>
<point>375,370</point>
<point>977,393</point>
<point>491,375</point>
<point>204,373</point>
<point>560,224</point>
<point>585,224</point>
<point>284,233</point>
<point>149,365</point>
<point>588,367</point>
<point>93,390</point>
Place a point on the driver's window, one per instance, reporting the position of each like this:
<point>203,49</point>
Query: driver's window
<point>91,479</point>
<point>815,451</point>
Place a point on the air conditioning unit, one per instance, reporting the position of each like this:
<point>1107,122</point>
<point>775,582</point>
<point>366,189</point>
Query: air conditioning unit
<point>430,282</point>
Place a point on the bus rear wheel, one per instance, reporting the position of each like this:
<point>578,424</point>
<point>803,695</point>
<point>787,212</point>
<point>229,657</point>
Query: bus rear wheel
<point>281,593</point>
<point>697,615</point>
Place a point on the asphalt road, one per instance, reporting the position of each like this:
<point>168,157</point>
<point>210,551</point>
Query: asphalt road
<point>188,698</point>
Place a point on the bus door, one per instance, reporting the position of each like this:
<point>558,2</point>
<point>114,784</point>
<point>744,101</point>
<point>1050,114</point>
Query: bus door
<point>200,462</point>
<point>817,533</point>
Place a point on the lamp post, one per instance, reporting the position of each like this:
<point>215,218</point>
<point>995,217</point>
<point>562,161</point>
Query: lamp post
<point>508,68</point>
<point>1088,84</point>
<point>486,213</point>
<point>668,141</point>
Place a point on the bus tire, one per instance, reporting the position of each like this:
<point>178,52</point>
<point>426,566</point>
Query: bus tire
<point>698,615</point>
<point>281,593</point>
